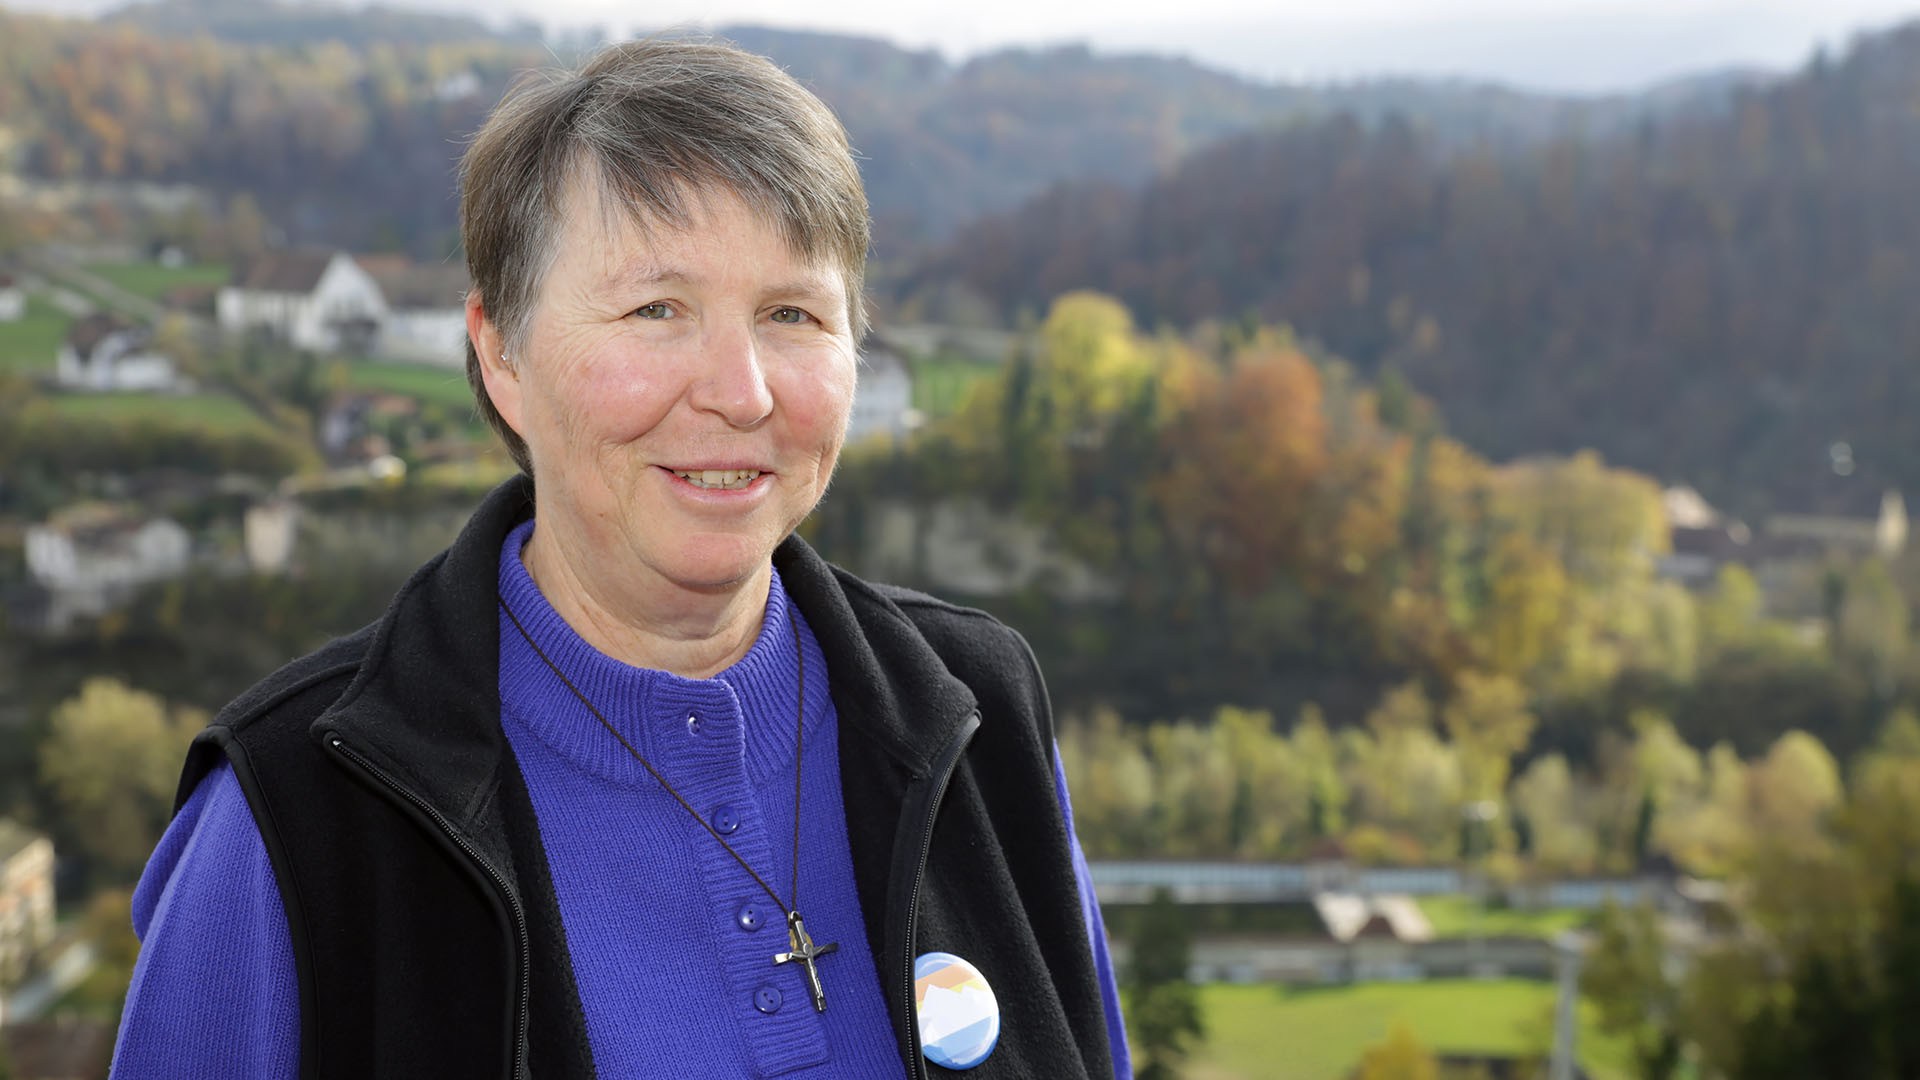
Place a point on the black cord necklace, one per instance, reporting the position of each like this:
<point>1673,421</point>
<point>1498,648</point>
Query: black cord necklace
<point>800,947</point>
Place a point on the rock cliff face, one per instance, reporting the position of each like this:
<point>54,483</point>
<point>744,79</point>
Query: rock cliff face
<point>962,547</point>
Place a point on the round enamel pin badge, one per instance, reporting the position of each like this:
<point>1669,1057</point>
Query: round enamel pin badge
<point>958,1016</point>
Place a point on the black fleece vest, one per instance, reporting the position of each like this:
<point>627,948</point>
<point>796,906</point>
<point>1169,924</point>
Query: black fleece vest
<point>424,924</point>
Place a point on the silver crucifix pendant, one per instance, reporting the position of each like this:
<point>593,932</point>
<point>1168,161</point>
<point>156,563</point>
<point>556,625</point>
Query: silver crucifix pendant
<point>801,947</point>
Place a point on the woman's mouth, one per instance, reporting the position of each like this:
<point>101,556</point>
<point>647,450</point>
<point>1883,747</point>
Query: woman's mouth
<point>719,479</point>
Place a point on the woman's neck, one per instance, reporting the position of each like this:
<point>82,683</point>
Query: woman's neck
<point>693,633</point>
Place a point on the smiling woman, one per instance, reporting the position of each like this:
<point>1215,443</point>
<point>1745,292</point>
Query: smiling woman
<point>681,421</point>
<point>537,819</point>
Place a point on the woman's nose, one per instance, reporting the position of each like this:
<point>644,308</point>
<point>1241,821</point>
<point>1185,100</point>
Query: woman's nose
<point>732,380</point>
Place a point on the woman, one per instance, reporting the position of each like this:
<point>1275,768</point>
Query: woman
<point>629,782</point>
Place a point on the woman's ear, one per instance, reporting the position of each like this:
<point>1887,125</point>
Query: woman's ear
<point>498,372</point>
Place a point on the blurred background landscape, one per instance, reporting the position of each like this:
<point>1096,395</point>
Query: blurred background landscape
<point>1462,526</point>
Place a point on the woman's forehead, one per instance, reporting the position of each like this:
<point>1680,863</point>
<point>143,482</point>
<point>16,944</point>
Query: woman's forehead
<point>619,245</point>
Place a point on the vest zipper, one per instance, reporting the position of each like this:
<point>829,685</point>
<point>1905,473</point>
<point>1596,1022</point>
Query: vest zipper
<point>943,773</point>
<point>499,881</point>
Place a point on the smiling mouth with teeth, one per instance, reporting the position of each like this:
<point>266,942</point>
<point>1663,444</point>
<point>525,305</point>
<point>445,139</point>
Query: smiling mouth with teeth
<point>722,479</point>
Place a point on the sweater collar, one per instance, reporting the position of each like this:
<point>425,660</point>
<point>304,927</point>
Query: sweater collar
<point>743,716</point>
<point>425,705</point>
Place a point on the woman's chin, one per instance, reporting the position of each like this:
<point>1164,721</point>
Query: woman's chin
<point>715,570</point>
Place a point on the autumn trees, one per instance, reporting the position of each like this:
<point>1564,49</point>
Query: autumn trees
<point>111,761</point>
<point>1323,618</point>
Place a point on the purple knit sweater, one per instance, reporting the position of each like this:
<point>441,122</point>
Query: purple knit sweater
<point>671,940</point>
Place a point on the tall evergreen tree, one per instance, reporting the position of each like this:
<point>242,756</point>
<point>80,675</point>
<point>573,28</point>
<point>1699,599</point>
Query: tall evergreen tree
<point>1163,1006</point>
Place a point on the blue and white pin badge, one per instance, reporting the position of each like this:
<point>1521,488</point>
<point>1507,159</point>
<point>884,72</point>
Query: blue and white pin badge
<point>959,1018</point>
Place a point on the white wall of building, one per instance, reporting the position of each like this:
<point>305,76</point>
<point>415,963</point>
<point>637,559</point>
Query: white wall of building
<point>345,293</point>
<point>311,320</point>
<point>882,402</point>
<point>152,551</point>
<point>118,364</point>
<point>426,336</point>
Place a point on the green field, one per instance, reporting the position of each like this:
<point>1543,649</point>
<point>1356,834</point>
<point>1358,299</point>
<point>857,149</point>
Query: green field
<point>151,280</point>
<point>941,386</point>
<point>32,343</point>
<point>216,411</point>
<point>1455,916</point>
<point>1273,1033</point>
<point>445,386</point>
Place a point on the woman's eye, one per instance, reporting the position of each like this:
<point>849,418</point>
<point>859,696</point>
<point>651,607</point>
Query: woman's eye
<point>789,315</point>
<point>655,310</point>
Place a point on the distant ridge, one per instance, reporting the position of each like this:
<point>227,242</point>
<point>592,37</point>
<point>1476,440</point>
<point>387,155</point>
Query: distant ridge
<point>250,23</point>
<point>943,143</point>
<point>1719,296</point>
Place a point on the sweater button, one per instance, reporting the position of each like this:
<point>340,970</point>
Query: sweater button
<point>693,724</point>
<point>726,821</point>
<point>767,1000</point>
<point>749,917</point>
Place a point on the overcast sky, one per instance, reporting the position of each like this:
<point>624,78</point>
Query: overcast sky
<point>1571,45</point>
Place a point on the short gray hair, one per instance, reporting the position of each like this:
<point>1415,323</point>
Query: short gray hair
<point>652,123</point>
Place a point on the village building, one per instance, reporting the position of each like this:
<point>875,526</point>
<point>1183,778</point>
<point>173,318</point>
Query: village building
<point>13,298</point>
<point>883,397</point>
<point>269,533</point>
<point>198,301</point>
<point>359,425</point>
<point>91,557</point>
<point>1281,922</point>
<point>319,301</point>
<point>1789,554</point>
<point>104,352</point>
<point>26,899</point>
<point>426,319</point>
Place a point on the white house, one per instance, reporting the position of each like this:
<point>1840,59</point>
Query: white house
<point>316,300</point>
<point>883,397</point>
<point>90,557</point>
<point>13,298</point>
<point>426,319</point>
<point>104,351</point>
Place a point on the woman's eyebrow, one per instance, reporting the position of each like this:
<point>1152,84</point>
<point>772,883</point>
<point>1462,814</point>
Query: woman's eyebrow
<point>641,274</point>
<point>809,285</point>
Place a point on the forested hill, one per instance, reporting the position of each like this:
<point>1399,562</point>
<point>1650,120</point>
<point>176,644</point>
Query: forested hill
<point>1717,299</point>
<point>247,22</point>
<point>344,125</point>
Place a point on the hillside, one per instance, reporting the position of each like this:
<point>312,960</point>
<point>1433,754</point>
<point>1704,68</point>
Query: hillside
<point>249,23</point>
<point>344,125</point>
<point>1714,297</point>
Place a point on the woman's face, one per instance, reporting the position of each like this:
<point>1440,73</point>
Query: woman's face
<point>683,394</point>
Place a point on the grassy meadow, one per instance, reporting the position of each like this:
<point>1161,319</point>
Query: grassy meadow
<point>218,412</point>
<point>1264,1032</point>
<point>151,280</point>
<point>1463,916</point>
<point>30,345</point>
<point>443,386</point>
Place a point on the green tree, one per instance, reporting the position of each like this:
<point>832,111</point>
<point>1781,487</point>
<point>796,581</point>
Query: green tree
<point>1626,977</point>
<point>1793,789</point>
<point>1399,1057</point>
<point>1488,721</point>
<point>1732,612</point>
<point>1163,1006</point>
<point>1561,838</point>
<point>111,761</point>
<point>1871,625</point>
<point>1900,978</point>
